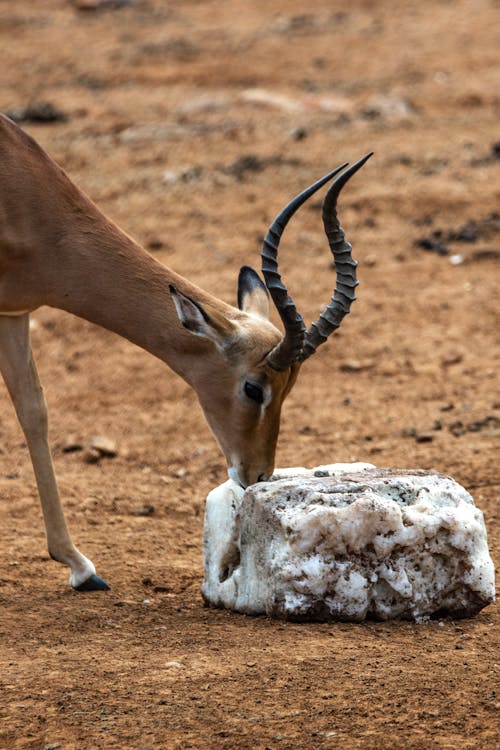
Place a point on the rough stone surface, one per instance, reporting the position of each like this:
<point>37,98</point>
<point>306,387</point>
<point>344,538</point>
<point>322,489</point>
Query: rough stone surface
<point>347,542</point>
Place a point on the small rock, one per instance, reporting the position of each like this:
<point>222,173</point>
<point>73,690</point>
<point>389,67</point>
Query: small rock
<point>298,134</point>
<point>432,244</point>
<point>409,432</point>
<point>244,164</point>
<point>91,456</point>
<point>468,232</point>
<point>104,446</point>
<point>308,430</point>
<point>457,428</point>
<point>485,253</point>
<point>270,99</point>
<point>154,245</point>
<point>452,358</point>
<point>185,174</point>
<point>170,177</point>
<point>94,5</point>
<point>37,112</point>
<point>354,365</point>
<point>389,107</point>
<point>144,510</point>
<point>456,260</point>
<point>424,437</point>
<point>488,425</point>
<point>204,103</point>
<point>433,166</point>
<point>72,444</point>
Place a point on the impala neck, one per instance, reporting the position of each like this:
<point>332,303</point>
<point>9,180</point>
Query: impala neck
<point>108,279</point>
<point>58,249</point>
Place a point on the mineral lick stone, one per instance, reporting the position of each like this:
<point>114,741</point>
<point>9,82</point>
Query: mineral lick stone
<point>346,542</point>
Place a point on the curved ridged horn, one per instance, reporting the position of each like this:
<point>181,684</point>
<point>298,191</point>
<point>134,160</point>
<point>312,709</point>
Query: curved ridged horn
<point>289,348</point>
<point>345,267</point>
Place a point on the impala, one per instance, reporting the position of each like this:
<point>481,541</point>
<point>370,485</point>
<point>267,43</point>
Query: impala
<point>58,249</point>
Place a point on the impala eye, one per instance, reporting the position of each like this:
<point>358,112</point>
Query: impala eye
<point>254,392</point>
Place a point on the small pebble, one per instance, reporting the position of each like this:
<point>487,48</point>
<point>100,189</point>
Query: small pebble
<point>45,112</point>
<point>143,510</point>
<point>452,358</point>
<point>354,365</point>
<point>447,407</point>
<point>298,134</point>
<point>91,456</point>
<point>95,5</point>
<point>433,244</point>
<point>103,445</point>
<point>72,444</point>
<point>457,428</point>
<point>410,432</point>
<point>424,437</point>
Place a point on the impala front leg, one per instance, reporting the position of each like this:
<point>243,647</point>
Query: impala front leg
<point>19,371</point>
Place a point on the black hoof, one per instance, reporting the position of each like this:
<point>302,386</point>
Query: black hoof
<point>94,583</point>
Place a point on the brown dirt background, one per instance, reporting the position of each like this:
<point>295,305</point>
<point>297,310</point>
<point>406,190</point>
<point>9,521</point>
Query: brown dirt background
<point>419,84</point>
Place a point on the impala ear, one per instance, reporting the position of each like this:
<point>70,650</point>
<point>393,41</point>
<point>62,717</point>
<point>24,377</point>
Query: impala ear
<point>253,297</point>
<point>195,319</point>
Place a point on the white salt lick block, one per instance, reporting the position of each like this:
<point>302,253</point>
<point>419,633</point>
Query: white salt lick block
<point>346,542</point>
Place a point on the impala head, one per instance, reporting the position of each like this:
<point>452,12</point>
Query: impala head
<point>246,367</point>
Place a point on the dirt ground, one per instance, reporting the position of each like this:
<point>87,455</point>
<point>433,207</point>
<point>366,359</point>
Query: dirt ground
<point>191,124</point>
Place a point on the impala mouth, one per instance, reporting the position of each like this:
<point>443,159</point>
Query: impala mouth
<point>233,474</point>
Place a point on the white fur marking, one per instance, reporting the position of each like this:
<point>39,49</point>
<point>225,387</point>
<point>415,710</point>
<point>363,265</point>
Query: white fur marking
<point>85,570</point>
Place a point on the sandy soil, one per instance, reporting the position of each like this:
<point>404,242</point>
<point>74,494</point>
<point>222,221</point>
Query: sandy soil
<point>165,130</point>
